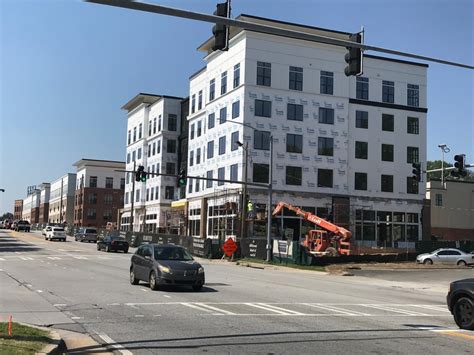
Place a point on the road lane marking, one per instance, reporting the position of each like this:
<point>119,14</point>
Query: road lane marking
<point>54,258</point>
<point>25,258</point>
<point>455,333</point>
<point>59,305</point>
<point>113,304</point>
<point>431,307</point>
<point>395,310</point>
<point>39,291</point>
<point>281,309</point>
<point>144,289</point>
<point>336,309</point>
<point>109,341</point>
<point>166,296</point>
<point>215,308</point>
<point>76,318</point>
<point>2,259</point>
<point>139,316</point>
<point>257,305</point>
<point>190,305</point>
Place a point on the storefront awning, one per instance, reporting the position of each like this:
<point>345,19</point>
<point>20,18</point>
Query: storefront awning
<point>178,204</point>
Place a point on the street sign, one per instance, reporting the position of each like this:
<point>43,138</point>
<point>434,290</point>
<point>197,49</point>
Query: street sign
<point>229,247</point>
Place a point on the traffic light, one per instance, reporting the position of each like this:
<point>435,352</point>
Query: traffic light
<point>181,181</point>
<point>220,31</point>
<point>460,165</point>
<point>140,174</point>
<point>416,171</point>
<point>354,57</point>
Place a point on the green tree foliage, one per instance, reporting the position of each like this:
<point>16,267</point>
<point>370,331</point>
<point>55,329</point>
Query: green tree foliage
<point>436,164</point>
<point>7,215</point>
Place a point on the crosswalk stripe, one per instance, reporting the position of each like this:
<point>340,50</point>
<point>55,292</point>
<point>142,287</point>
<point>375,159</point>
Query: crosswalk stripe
<point>257,305</point>
<point>195,307</point>
<point>80,257</point>
<point>281,309</point>
<point>335,309</point>
<point>2,259</point>
<point>25,258</point>
<point>215,308</point>
<point>54,258</point>
<point>395,310</point>
<point>431,307</point>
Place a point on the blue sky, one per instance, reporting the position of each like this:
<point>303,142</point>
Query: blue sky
<point>68,66</point>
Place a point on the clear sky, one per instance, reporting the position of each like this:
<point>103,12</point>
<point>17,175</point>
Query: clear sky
<point>68,66</point>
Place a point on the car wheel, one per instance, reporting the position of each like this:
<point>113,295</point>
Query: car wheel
<point>107,249</point>
<point>125,251</point>
<point>197,287</point>
<point>153,284</point>
<point>428,262</point>
<point>461,263</point>
<point>464,313</point>
<point>133,279</point>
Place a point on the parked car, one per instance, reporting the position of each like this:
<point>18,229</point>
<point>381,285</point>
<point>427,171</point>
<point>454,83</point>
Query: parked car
<point>22,226</point>
<point>460,300</point>
<point>446,256</point>
<point>86,234</point>
<point>2,224</point>
<point>13,225</point>
<point>55,233</point>
<point>165,265</point>
<point>46,229</point>
<point>112,243</point>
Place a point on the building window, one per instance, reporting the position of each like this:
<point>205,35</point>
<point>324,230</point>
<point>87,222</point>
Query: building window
<point>260,173</point>
<point>91,213</point>
<point>149,150</point>
<point>362,88</point>
<point>327,83</point>
<point>134,134</point>
<point>236,109</point>
<point>152,193</point>
<point>171,146</point>
<point>439,200</point>
<point>413,95</point>
<point>223,83</point>
<point>361,150</point>
<point>158,147</point>
<point>193,103</point>
<point>209,183</point>
<point>324,178</point>
<point>148,194</point>
<point>223,115</point>
<point>326,115</point>
<point>93,181</point>
<point>140,128</point>
<point>296,78</point>
<point>172,122</point>
<point>220,176</point>
<point>362,119</point>
<point>134,155</point>
<point>157,193</point>
<point>153,149</point>
<point>139,153</point>
<point>137,195</point>
<point>126,198</point>
<point>192,131</point>
<point>294,112</point>
<point>212,89</point>
<point>326,146</point>
<point>294,143</point>
<point>170,168</point>
<point>169,192</point>
<point>388,122</point>
<point>197,185</point>
<point>236,75</point>
<point>387,183</point>
<point>263,108</point>
<point>129,138</point>
<point>154,125</point>
<point>128,158</point>
<point>109,183</point>
<point>92,198</point>
<point>413,125</point>
<point>234,172</point>
<point>222,145</point>
<point>412,186</point>
<point>387,152</point>
<point>200,100</point>
<point>388,91</point>
<point>150,124</point>
<point>199,129</point>
<point>190,186</point>
<point>122,183</point>
<point>264,74</point>
<point>234,140</point>
<point>412,155</point>
<point>294,175</point>
<point>210,121</point>
<point>210,149</point>
<point>360,181</point>
<point>261,140</point>
<point>191,158</point>
<point>198,156</point>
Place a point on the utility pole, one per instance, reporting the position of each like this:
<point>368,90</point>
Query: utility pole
<point>133,196</point>
<point>444,149</point>
<point>243,226</point>
<point>270,203</point>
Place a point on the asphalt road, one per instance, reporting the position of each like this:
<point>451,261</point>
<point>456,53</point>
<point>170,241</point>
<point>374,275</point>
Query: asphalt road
<point>70,285</point>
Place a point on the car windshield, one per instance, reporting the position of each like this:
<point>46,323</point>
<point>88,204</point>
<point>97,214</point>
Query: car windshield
<point>90,231</point>
<point>58,229</point>
<point>170,253</point>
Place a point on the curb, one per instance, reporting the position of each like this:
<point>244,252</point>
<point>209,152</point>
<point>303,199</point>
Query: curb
<point>57,345</point>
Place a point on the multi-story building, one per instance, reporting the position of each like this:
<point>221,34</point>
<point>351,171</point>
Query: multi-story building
<point>452,209</point>
<point>153,129</point>
<point>18,210</point>
<point>31,206</point>
<point>61,200</point>
<point>44,202</point>
<point>98,192</point>
<point>343,147</point>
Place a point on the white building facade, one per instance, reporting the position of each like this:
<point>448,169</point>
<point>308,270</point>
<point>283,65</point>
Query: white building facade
<point>153,126</point>
<point>61,201</point>
<point>343,147</point>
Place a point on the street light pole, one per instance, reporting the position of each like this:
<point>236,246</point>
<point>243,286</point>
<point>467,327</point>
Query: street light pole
<point>270,203</point>
<point>243,227</point>
<point>133,196</point>
<point>444,149</point>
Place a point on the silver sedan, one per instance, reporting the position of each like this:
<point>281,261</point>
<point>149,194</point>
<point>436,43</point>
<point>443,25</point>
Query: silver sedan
<point>446,256</point>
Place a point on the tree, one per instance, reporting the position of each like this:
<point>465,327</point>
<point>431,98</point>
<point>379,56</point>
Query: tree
<point>7,215</point>
<point>436,164</point>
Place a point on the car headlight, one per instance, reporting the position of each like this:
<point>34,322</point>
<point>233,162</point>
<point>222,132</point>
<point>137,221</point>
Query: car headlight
<point>164,269</point>
<point>200,270</point>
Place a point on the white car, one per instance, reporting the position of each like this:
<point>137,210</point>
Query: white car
<point>46,230</point>
<point>55,233</point>
<point>446,256</point>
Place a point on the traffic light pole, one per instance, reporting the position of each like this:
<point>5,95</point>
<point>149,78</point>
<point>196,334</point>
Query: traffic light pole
<point>270,203</point>
<point>133,196</point>
<point>243,227</point>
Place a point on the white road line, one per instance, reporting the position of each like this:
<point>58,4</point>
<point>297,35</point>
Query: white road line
<point>144,289</point>
<point>59,305</point>
<point>39,291</point>
<point>80,257</point>
<point>113,304</point>
<point>108,340</point>
<point>190,305</point>
<point>281,309</point>
<point>335,309</point>
<point>166,296</point>
<point>2,259</point>
<point>215,308</point>
<point>76,318</point>
<point>431,307</point>
<point>139,316</point>
<point>395,310</point>
<point>256,305</point>
<point>25,258</point>
<point>54,258</point>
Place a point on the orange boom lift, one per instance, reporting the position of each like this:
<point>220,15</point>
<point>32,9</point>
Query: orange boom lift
<point>332,241</point>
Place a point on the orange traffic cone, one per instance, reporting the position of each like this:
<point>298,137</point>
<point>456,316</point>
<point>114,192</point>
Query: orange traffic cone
<point>10,326</point>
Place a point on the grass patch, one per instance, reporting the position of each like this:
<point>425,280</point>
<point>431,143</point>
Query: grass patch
<point>25,340</point>
<point>293,266</point>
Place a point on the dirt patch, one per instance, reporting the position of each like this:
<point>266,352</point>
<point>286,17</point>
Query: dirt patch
<point>339,269</point>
